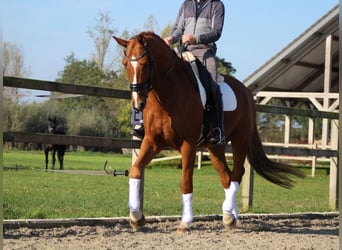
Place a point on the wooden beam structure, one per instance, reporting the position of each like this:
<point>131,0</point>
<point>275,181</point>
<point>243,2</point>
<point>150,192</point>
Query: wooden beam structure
<point>124,94</point>
<point>106,142</point>
<point>102,142</point>
<point>24,83</point>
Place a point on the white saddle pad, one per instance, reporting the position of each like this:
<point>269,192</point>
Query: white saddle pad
<point>228,96</point>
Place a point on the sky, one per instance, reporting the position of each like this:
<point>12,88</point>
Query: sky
<point>47,31</point>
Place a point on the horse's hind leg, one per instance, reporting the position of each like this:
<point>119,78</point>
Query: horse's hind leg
<point>218,159</point>
<point>229,208</point>
<point>60,156</point>
<point>46,152</point>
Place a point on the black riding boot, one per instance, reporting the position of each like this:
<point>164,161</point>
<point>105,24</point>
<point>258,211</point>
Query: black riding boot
<point>137,124</point>
<point>218,132</point>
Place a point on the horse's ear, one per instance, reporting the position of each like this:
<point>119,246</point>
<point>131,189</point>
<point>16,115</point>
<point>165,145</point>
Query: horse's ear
<point>50,119</point>
<point>120,41</point>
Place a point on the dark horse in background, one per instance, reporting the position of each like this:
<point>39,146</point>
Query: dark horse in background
<point>54,148</point>
<point>165,88</point>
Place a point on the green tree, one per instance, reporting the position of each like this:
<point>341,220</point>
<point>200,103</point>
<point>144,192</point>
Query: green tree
<point>11,115</point>
<point>83,72</point>
<point>223,67</point>
<point>271,126</point>
<point>167,30</point>
<point>88,111</point>
<point>101,34</point>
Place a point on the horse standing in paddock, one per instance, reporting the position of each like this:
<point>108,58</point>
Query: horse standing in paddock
<point>60,149</point>
<point>165,87</point>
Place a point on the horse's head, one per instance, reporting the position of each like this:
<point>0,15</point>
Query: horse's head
<point>52,125</point>
<point>139,69</point>
<point>55,128</point>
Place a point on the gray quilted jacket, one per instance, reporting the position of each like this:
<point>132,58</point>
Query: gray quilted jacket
<point>205,22</point>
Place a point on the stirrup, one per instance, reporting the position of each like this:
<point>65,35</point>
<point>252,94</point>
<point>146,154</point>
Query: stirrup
<point>138,131</point>
<point>218,137</point>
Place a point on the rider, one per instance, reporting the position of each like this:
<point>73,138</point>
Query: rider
<point>199,25</point>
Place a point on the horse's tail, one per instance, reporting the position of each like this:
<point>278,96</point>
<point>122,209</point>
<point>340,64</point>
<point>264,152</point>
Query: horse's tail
<point>272,171</point>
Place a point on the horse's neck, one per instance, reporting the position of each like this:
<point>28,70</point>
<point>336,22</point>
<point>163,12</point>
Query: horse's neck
<point>176,89</point>
<point>173,81</point>
<point>59,131</point>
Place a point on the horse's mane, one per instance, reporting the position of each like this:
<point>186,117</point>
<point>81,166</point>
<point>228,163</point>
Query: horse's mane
<point>146,37</point>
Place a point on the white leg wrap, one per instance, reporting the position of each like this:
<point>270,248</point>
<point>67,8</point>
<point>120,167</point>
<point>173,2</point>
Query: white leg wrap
<point>134,195</point>
<point>187,208</point>
<point>229,205</point>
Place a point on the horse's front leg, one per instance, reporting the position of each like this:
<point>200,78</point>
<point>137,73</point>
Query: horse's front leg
<point>146,154</point>
<point>188,161</point>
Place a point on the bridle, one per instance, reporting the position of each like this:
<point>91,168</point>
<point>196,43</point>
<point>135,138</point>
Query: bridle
<point>143,88</point>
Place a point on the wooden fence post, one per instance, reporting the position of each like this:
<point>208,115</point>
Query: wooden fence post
<point>199,159</point>
<point>333,183</point>
<point>314,162</point>
<point>247,187</point>
<point>287,130</point>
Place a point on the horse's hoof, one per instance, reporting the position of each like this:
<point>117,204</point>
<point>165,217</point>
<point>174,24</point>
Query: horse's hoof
<point>229,221</point>
<point>136,225</point>
<point>183,228</point>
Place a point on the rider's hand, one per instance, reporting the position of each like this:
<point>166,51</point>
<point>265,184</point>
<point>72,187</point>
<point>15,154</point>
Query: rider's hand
<point>189,39</point>
<point>168,40</point>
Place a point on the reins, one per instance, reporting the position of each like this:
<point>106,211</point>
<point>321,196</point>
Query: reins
<point>171,67</point>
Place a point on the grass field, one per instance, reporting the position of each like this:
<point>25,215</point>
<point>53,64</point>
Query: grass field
<point>30,192</point>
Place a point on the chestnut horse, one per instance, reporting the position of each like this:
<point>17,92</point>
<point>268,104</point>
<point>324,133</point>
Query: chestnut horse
<point>164,87</point>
